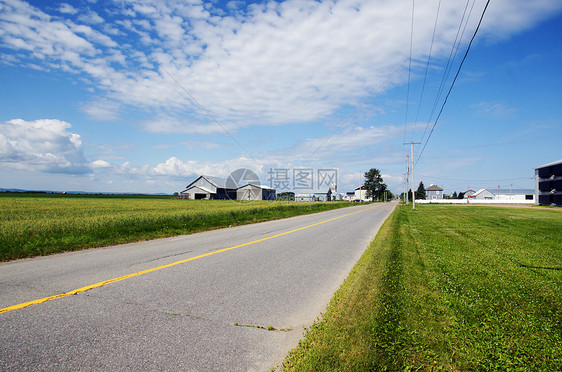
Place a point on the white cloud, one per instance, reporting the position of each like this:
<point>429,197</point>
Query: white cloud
<point>102,109</point>
<point>44,145</point>
<point>201,144</point>
<point>268,64</point>
<point>100,164</point>
<point>67,9</point>
<point>494,109</point>
<point>502,20</point>
<point>90,17</point>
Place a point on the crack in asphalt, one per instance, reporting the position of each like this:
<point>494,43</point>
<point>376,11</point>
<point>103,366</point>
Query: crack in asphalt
<point>159,258</point>
<point>269,328</point>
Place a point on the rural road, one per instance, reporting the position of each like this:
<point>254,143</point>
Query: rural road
<point>186,316</point>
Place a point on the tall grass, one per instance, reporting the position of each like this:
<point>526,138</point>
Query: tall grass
<point>448,288</point>
<point>32,225</point>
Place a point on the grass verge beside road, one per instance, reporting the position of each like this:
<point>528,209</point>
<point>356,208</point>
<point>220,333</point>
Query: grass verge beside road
<point>41,224</point>
<point>447,288</point>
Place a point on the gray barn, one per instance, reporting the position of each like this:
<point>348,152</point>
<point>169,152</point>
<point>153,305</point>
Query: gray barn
<point>255,192</point>
<point>207,187</point>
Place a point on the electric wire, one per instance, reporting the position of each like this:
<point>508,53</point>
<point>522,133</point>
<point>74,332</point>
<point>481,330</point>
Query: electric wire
<point>446,70</point>
<point>204,109</point>
<point>358,108</point>
<point>409,69</point>
<point>454,80</point>
<point>427,67</point>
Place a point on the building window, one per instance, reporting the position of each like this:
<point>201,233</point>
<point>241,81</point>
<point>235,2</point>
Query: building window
<point>529,197</point>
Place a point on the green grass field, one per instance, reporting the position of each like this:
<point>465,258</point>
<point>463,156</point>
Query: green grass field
<point>40,224</point>
<point>447,288</point>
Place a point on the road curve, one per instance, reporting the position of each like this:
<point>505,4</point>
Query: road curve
<point>196,302</point>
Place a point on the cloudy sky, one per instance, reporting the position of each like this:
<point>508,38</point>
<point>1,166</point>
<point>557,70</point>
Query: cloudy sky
<point>145,95</point>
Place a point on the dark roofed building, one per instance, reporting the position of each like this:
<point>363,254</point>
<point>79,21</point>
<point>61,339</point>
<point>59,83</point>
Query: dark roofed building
<point>548,184</point>
<point>434,192</point>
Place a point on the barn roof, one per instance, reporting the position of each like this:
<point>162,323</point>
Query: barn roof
<point>263,187</point>
<point>215,181</point>
<point>434,188</point>
<point>198,187</point>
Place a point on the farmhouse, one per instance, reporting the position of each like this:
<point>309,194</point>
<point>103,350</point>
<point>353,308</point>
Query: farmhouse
<point>361,193</point>
<point>434,192</point>
<point>548,184</point>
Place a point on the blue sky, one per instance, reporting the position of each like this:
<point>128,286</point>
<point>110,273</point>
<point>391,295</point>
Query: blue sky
<point>143,96</point>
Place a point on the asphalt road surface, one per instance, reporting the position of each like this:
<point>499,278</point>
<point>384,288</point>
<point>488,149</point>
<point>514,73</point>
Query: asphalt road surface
<point>209,310</point>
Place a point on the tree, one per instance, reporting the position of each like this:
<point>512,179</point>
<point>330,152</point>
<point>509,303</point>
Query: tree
<point>374,184</point>
<point>387,195</point>
<point>461,195</point>
<point>455,196</point>
<point>420,193</point>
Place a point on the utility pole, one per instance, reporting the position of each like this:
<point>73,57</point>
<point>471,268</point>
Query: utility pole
<point>405,188</point>
<point>413,184</point>
<point>407,174</point>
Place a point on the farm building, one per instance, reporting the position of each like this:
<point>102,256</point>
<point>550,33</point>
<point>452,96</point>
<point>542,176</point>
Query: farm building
<point>315,196</point>
<point>505,195</point>
<point>548,184</point>
<point>349,196</point>
<point>255,192</point>
<point>483,194</point>
<point>304,197</point>
<point>434,192</point>
<point>208,187</point>
<point>515,195</point>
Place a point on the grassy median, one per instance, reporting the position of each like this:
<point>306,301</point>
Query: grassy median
<point>40,224</point>
<point>447,288</point>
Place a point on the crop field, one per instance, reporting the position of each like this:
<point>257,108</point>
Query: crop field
<point>447,288</point>
<point>40,224</point>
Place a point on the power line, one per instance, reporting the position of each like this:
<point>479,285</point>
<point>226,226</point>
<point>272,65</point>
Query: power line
<point>358,108</point>
<point>447,69</point>
<point>452,56</point>
<point>204,109</point>
<point>454,80</point>
<point>409,69</point>
<point>427,67</point>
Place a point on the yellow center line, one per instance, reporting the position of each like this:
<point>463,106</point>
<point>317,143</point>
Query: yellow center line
<point>101,284</point>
